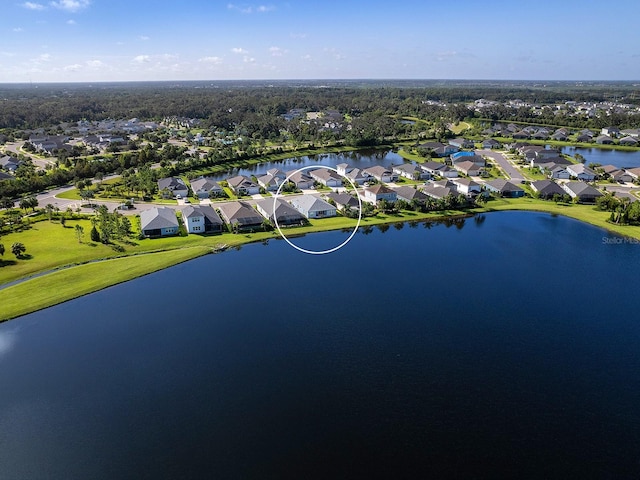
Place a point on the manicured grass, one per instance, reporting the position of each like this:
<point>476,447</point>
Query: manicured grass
<point>460,127</point>
<point>410,155</point>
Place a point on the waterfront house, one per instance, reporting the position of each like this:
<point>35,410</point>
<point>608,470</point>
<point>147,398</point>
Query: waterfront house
<point>283,212</point>
<point>243,185</point>
<point>301,180</point>
<point>204,187</point>
<point>547,189</point>
<point>381,174</point>
<point>202,219</point>
<point>604,140</point>
<point>621,176</point>
<point>270,182</point>
<point>581,172</point>
<point>610,131</point>
<point>504,188</point>
<point>172,187</point>
<point>356,175</point>
<point>158,222</point>
<point>343,200</point>
<point>410,194</point>
<point>629,141</point>
<point>241,216</point>
<point>633,172</point>
<point>466,186</point>
<point>584,192</point>
<point>379,192</point>
<point>312,206</point>
<point>326,177</point>
<point>437,191</point>
<point>555,171</point>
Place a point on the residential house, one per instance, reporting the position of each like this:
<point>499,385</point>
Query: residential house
<point>439,149</point>
<point>343,200</point>
<point>356,175</point>
<point>439,169</point>
<point>202,219</point>
<point>243,185</point>
<point>634,173</point>
<point>410,194</point>
<point>521,135</point>
<point>547,189</point>
<point>610,131</point>
<point>582,138</point>
<point>469,168</point>
<point>581,172</point>
<point>629,141</point>
<point>312,206</point>
<point>241,216</point>
<point>284,213</point>
<point>631,132</point>
<point>476,159</point>
<point>555,171</point>
<point>173,187</point>
<point>462,143</point>
<point>584,192</point>
<point>326,177</point>
<point>379,192</point>
<point>49,143</point>
<point>504,188</point>
<point>9,164</point>
<point>301,180</point>
<point>5,176</point>
<point>559,136</point>
<point>437,191</point>
<point>158,222</point>
<point>381,174</point>
<point>604,140</point>
<point>270,182</point>
<point>491,143</point>
<point>204,187</point>
<point>622,176</point>
<point>410,171</point>
<point>467,186</point>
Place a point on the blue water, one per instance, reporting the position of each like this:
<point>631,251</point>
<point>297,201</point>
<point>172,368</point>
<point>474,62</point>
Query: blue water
<point>360,159</point>
<point>500,346</point>
<point>603,156</point>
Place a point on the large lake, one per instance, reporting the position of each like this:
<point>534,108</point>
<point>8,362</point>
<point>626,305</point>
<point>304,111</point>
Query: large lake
<point>604,156</point>
<point>504,346</point>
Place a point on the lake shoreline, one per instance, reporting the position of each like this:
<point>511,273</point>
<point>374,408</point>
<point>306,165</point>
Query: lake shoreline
<point>99,274</point>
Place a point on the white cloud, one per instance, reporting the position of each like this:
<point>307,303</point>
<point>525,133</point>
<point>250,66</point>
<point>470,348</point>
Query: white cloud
<point>247,59</point>
<point>33,6</point>
<point>239,51</point>
<point>277,51</point>
<point>18,29</point>
<point>45,57</point>
<point>142,59</point>
<point>144,38</point>
<point>306,57</point>
<point>71,5</point>
<point>248,9</point>
<point>95,63</point>
<point>212,60</point>
<point>71,22</point>
<point>72,68</point>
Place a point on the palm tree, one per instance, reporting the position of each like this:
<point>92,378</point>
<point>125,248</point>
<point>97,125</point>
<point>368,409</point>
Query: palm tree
<point>18,249</point>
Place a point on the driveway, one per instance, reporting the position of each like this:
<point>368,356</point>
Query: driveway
<point>512,172</point>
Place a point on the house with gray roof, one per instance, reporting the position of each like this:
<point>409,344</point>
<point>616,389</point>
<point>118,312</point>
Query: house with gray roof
<point>301,180</point>
<point>9,164</point>
<point>5,176</point>
<point>410,194</point>
<point>343,200</point>
<point>326,177</point>
<point>159,222</point>
<point>204,187</point>
<point>174,186</point>
<point>437,191</point>
<point>547,189</point>
<point>380,173</point>
<point>283,212</point>
<point>584,192</point>
<point>202,219</point>
<point>504,188</point>
<point>312,206</point>
<point>410,171</point>
<point>243,185</point>
<point>379,192</point>
<point>270,182</point>
<point>241,216</point>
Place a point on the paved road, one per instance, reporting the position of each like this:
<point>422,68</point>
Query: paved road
<point>14,147</point>
<point>512,172</point>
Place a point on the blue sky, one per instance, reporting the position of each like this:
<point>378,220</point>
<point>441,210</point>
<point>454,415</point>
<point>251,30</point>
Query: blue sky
<point>117,40</point>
